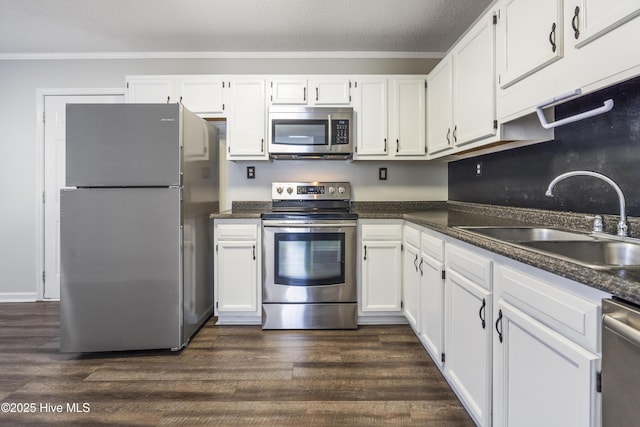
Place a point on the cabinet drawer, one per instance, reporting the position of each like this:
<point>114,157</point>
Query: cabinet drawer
<point>470,265</point>
<point>381,232</point>
<point>412,236</point>
<point>236,232</point>
<point>570,315</point>
<point>432,246</point>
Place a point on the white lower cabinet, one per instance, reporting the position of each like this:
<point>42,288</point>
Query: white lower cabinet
<point>237,263</point>
<point>411,276</point>
<point>467,349</point>
<point>432,295</point>
<point>540,377</point>
<point>546,351</point>
<point>380,267</point>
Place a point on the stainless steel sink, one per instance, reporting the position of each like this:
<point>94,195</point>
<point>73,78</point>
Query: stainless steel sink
<point>526,234</point>
<point>593,251</point>
<point>598,254</point>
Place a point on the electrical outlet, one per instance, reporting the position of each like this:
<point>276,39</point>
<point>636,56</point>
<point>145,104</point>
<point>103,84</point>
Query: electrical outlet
<point>382,174</point>
<point>251,172</point>
<point>478,169</point>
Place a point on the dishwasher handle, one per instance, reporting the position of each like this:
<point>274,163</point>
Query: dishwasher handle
<point>621,328</point>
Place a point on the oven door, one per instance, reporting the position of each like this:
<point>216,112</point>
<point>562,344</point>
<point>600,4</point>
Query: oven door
<point>309,262</point>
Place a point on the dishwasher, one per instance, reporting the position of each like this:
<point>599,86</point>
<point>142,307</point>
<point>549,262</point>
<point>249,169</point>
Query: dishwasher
<point>620,363</point>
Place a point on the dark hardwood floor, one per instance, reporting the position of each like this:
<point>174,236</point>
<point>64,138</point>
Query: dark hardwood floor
<point>231,375</point>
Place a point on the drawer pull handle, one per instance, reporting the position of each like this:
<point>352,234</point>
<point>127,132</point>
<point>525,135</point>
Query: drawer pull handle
<point>482,313</point>
<point>415,263</point>
<point>552,37</point>
<point>499,324</point>
<point>420,266</point>
<point>365,252</point>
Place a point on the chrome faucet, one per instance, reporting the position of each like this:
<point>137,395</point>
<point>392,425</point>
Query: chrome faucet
<point>623,228</point>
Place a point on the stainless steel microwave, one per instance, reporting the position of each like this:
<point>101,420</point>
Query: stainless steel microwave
<point>310,132</point>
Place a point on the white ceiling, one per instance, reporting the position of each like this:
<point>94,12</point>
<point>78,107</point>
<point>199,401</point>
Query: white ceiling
<point>190,26</point>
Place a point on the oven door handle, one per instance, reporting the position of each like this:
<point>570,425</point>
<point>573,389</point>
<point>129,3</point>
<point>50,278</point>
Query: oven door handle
<point>310,224</point>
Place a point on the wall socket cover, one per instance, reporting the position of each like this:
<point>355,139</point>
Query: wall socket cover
<point>382,174</point>
<point>251,172</point>
<point>478,169</point>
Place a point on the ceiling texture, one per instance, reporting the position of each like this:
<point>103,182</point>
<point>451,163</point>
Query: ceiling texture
<point>418,27</point>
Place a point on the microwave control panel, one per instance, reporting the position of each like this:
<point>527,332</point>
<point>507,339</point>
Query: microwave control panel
<point>340,132</point>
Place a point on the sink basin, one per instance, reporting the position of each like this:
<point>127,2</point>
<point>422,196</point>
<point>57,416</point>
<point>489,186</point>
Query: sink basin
<point>598,254</point>
<point>526,234</point>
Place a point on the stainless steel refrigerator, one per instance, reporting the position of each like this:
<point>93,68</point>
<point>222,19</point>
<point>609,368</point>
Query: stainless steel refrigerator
<point>135,234</point>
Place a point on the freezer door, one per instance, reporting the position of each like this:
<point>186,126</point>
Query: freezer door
<point>122,145</point>
<point>120,269</point>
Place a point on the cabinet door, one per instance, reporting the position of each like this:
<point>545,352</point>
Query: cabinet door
<point>432,306</point>
<point>371,117</point>
<point>594,18</point>
<point>468,344</point>
<point>381,276</point>
<point>150,91</point>
<point>474,85</point>
<point>237,276</point>
<point>411,285</point>
<point>331,91</point>
<point>246,124</point>
<point>440,107</point>
<point>201,95</point>
<point>532,34</point>
<point>540,377</point>
<point>289,91</point>
<point>408,117</point>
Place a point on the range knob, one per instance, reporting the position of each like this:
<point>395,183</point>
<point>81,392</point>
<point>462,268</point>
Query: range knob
<point>332,190</point>
<point>279,190</point>
<point>341,190</point>
<point>289,190</point>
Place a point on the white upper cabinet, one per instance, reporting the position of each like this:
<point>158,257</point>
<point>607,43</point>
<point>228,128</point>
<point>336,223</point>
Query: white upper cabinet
<point>370,111</point>
<point>461,97</point>
<point>591,19</point>
<point>246,123</point>
<point>600,56</point>
<point>532,33</point>
<point>289,91</point>
<point>330,91</point>
<point>152,90</point>
<point>474,89</point>
<point>407,116</point>
<point>440,107</point>
<point>201,94</point>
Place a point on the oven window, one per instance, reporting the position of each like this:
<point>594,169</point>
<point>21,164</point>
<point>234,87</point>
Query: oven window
<point>309,259</point>
<point>300,132</point>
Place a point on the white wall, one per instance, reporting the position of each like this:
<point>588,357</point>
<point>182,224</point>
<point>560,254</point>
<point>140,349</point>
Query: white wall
<point>19,166</point>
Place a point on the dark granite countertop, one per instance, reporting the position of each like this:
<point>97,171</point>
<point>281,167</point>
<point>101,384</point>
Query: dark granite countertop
<point>444,217</point>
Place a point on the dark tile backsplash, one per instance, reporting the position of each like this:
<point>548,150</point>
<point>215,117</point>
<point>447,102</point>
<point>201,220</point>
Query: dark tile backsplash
<point>608,144</point>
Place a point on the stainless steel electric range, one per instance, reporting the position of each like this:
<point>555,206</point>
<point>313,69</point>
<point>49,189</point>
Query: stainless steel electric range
<point>309,273</point>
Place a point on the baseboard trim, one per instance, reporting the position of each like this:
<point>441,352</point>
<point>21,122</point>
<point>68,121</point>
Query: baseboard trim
<point>18,297</point>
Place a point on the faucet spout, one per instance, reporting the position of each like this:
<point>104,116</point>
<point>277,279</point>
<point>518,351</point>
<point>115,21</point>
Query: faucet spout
<point>623,228</point>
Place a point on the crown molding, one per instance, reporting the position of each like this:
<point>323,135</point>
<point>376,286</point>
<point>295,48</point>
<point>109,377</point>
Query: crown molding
<point>18,56</point>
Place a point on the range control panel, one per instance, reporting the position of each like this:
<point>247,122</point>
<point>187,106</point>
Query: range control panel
<point>310,191</point>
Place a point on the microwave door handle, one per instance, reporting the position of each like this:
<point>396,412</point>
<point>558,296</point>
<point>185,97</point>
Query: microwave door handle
<point>330,129</point>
